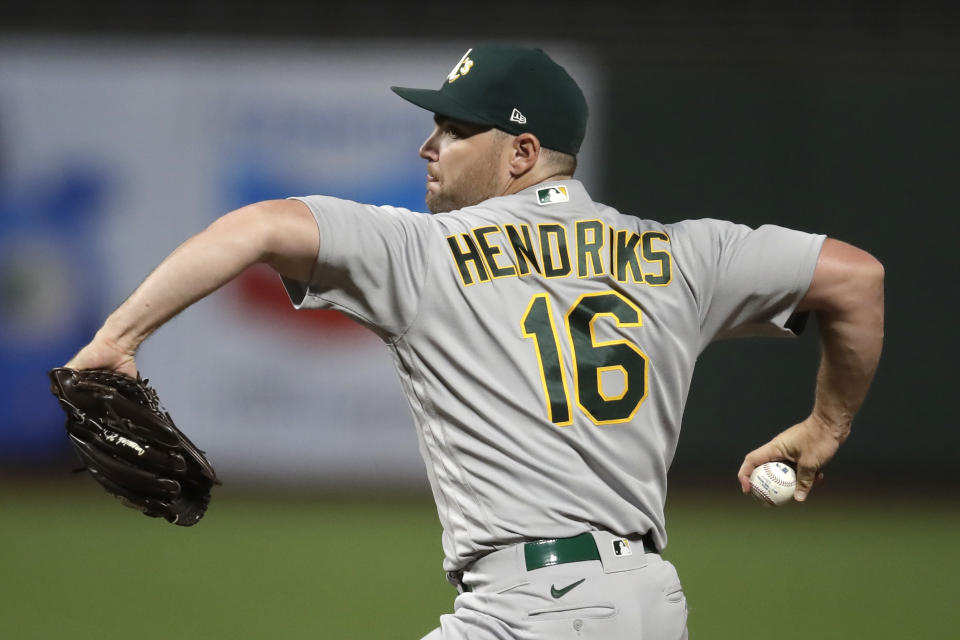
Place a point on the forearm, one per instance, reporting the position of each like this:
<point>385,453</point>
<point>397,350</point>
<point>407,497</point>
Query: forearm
<point>850,317</point>
<point>850,351</point>
<point>195,269</point>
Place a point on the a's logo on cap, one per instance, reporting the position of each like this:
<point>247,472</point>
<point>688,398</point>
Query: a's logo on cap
<point>518,117</point>
<point>462,68</point>
<point>552,195</point>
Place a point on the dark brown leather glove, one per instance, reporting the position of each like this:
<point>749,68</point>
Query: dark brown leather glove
<point>131,446</point>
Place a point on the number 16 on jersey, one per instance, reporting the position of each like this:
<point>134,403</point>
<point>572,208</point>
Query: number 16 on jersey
<point>591,358</point>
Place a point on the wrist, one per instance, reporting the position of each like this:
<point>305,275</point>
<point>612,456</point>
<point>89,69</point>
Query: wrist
<point>833,423</point>
<point>114,335</point>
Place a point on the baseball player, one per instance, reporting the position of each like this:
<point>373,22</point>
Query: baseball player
<point>545,342</point>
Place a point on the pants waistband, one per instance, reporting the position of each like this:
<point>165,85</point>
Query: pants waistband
<point>538,554</point>
<point>545,553</point>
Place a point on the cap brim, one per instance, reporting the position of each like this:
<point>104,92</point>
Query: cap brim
<point>439,103</point>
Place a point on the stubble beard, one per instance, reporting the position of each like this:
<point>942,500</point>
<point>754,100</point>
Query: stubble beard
<point>474,185</point>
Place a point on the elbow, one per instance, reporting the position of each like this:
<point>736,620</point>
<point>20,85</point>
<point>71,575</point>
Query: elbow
<point>862,294</point>
<point>873,269</point>
<point>846,280</point>
<point>872,276</point>
<point>875,279</point>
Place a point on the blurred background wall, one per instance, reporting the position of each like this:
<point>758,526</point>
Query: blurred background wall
<point>126,127</point>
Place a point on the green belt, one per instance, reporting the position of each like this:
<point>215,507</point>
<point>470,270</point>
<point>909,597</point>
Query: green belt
<point>545,553</point>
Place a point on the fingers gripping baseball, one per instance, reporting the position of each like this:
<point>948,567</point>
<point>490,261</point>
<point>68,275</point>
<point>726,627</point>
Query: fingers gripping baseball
<point>809,445</point>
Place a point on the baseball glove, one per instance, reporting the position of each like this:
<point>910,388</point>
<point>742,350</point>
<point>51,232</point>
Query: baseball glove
<point>131,446</point>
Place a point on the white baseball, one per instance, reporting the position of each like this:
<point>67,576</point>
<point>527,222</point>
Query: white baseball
<point>773,483</point>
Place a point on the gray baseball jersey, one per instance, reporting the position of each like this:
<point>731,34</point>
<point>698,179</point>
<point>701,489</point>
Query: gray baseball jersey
<point>546,345</point>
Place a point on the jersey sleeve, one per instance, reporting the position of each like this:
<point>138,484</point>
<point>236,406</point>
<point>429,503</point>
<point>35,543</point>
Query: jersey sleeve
<point>747,281</point>
<point>371,264</point>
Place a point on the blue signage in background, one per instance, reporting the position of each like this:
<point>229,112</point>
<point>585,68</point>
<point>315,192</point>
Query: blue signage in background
<point>251,183</point>
<point>50,299</point>
<point>289,148</point>
<point>365,153</point>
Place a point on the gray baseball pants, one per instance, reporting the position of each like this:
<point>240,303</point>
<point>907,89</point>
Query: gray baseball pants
<point>632,596</point>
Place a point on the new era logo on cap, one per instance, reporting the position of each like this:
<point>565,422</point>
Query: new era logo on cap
<point>518,117</point>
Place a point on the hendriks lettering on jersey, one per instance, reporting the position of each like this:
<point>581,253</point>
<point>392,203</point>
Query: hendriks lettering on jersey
<point>583,248</point>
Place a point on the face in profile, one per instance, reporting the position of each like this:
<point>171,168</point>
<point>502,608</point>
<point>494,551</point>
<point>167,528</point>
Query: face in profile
<point>464,162</point>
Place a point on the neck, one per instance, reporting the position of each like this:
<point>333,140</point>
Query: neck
<point>518,184</point>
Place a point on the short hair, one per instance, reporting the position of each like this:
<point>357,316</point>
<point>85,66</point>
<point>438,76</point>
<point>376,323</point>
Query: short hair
<point>564,163</point>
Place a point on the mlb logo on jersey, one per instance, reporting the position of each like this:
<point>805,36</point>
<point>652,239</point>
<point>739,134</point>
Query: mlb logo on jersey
<point>621,548</point>
<point>553,195</point>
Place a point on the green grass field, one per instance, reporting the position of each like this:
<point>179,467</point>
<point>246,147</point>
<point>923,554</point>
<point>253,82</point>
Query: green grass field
<point>76,564</point>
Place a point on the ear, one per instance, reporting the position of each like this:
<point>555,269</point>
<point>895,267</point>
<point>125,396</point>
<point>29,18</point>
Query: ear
<point>525,151</point>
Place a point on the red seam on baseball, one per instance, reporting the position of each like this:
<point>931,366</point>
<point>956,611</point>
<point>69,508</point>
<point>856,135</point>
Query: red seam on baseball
<point>760,493</point>
<point>769,474</point>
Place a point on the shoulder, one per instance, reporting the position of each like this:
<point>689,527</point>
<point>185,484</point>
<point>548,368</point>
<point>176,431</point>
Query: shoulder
<point>724,234</point>
<point>706,227</point>
<point>494,211</point>
<point>330,211</point>
<point>323,204</point>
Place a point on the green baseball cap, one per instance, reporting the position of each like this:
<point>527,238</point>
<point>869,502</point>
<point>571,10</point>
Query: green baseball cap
<point>514,89</point>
